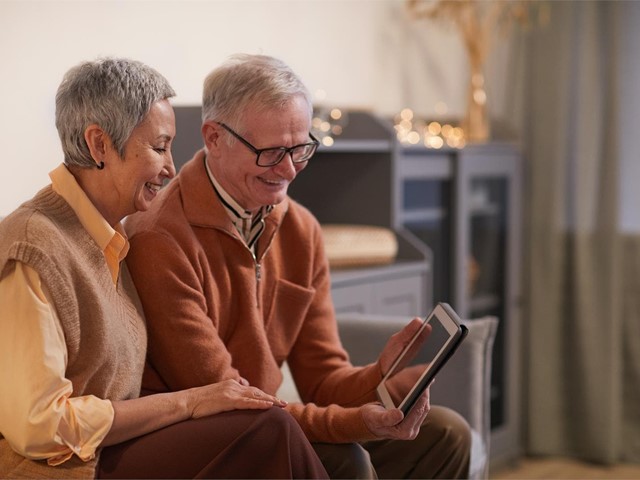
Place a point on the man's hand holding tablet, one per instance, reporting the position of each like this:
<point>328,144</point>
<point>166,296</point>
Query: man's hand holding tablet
<point>409,363</point>
<point>421,359</point>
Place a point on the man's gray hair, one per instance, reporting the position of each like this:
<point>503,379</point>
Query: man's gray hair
<point>114,93</point>
<point>243,81</point>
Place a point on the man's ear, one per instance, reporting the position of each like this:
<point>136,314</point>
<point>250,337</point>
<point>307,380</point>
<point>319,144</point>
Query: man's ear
<point>211,135</point>
<point>97,141</point>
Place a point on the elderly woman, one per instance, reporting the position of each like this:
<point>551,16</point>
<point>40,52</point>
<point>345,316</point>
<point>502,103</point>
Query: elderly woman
<point>73,341</point>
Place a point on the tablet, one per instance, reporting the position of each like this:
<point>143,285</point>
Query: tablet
<point>415,368</point>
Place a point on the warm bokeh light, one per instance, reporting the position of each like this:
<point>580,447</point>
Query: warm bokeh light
<point>406,114</point>
<point>441,109</point>
<point>434,128</point>
<point>413,130</point>
<point>434,142</point>
<point>480,96</point>
<point>320,95</point>
<point>413,137</point>
<point>328,122</point>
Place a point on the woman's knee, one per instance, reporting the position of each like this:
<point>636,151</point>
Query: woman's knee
<point>279,422</point>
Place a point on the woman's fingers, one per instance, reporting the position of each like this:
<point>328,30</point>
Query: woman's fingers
<point>230,395</point>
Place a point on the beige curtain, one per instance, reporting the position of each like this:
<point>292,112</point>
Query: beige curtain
<point>583,274</point>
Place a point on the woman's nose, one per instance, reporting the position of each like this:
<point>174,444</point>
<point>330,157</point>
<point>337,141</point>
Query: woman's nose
<point>170,167</point>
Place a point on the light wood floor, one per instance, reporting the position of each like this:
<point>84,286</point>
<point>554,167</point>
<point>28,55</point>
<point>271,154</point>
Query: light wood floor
<point>564,468</point>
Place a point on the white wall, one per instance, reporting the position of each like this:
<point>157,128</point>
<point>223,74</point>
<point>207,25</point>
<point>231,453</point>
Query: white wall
<point>363,53</point>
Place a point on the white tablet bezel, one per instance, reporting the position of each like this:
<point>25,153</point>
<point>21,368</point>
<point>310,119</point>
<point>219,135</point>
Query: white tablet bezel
<point>451,322</point>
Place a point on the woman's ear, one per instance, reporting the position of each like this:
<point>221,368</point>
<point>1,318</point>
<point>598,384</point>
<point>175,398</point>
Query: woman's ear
<point>211,135</point>
<point>98,143</point>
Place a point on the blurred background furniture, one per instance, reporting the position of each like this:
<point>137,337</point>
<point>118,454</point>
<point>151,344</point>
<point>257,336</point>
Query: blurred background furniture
<point>465,204</point>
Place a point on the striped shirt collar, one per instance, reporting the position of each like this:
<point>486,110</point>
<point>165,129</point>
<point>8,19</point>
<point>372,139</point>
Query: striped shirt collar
<point>249,226</point>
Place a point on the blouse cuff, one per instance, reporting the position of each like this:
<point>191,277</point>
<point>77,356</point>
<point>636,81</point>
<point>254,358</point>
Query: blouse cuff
<point>82,429</point>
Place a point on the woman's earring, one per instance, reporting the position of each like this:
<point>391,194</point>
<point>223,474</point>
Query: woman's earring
<point>100,166</point>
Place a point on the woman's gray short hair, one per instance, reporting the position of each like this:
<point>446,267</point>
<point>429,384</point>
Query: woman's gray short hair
<point>114,93</point>
<point>245,81</point>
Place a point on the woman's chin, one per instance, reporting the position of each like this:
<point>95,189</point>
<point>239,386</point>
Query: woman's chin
<point>145,200</point>
<point>144,204</point>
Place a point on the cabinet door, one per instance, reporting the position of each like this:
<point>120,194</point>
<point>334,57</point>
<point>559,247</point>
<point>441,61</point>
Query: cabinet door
<point>486,271</point>
<point>485,278</point>
<point>427,213</point>
<point>425,198</point>
<point>465,206</point>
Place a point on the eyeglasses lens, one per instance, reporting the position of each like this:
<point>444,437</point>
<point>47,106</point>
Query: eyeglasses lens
<point>299,154</point>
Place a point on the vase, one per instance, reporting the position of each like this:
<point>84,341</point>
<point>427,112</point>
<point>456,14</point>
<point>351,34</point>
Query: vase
<point>476,123</point>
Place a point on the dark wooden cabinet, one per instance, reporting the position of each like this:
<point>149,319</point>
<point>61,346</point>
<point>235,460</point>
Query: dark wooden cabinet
<point>465,205</point>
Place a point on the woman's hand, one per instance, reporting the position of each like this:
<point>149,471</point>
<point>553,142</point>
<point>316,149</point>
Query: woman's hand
<point>228,395</point>
<point>145,414</point>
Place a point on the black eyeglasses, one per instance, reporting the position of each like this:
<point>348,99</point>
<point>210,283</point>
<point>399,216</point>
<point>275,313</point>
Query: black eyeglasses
<point>268,157</point>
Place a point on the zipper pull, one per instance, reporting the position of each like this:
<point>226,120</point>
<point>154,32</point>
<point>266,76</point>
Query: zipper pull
<point>258,278</point>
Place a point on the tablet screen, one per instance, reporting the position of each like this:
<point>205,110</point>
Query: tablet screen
<point>422,352</point>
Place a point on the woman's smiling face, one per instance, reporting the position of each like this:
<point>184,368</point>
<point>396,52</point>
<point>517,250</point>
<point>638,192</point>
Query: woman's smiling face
<point>147,161</point>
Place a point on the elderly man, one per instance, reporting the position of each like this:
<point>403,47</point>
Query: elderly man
<point>234,280</point>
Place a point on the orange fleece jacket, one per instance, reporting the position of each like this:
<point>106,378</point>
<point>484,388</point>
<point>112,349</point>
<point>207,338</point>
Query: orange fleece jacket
<point>215,312</point>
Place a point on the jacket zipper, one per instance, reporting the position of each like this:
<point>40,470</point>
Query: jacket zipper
<point>257,264</point>
<point>258,278</point>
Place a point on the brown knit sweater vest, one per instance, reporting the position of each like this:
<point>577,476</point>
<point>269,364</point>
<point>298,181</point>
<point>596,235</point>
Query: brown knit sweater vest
<point>103,325</point>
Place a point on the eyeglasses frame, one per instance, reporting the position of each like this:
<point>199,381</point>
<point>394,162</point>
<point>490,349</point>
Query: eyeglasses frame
<point>286,150</point>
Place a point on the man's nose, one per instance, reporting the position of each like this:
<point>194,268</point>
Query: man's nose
<point>286,168</point>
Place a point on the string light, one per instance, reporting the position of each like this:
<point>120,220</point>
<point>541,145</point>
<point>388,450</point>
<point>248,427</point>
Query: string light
<point>411,130</point>
<point>328,123</point>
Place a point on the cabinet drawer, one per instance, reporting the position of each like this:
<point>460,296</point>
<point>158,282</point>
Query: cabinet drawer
<point>393,296</point>
<point>400,296</point>
<point>352,298</point>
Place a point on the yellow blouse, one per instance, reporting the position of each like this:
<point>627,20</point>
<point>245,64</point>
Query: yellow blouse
<point>34,346</point>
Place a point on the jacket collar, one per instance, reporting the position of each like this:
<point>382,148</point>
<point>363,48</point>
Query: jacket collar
<point>202,206</point>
